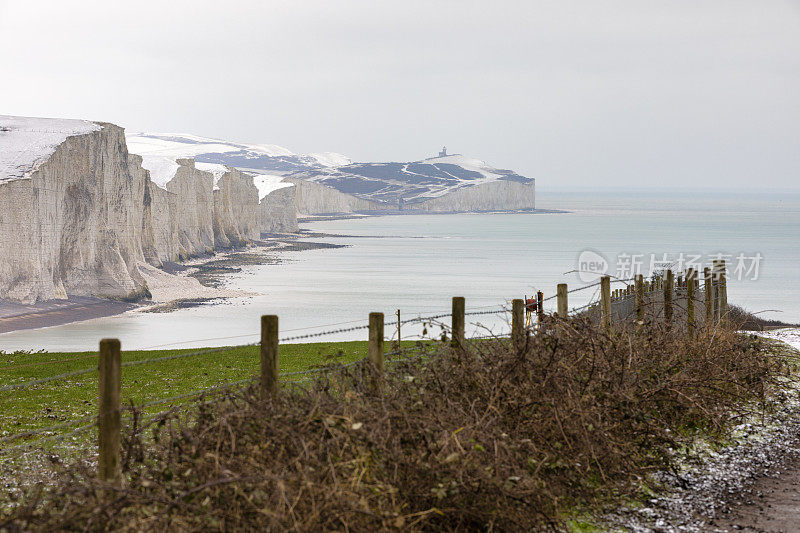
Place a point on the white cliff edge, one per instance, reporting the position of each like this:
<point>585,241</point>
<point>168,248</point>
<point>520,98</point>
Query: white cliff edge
<point>68,211</point>
<point>80,215</point>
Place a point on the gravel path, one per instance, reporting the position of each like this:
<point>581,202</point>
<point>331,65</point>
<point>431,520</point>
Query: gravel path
<point>773,502</point>
<point>751,485</point>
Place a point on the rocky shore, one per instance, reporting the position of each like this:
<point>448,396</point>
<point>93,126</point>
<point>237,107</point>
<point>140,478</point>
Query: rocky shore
<point>194,282</point>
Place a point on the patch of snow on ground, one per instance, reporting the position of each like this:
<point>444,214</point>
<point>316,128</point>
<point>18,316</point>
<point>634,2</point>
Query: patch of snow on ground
<point>161,150</point>
<point>267,184</point>
<point>330,159</point>
<point>27,142</point>
<point>790,336</point>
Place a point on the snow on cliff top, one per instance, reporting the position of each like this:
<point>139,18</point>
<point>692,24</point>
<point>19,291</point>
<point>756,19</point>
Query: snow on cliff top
<point>215,169</point>
<point>469,163</point>
<point>160,151</point>
<point>330,159</point>
<point>162,169</point>
<point>179,145</point>
<point>26,142</point>
<point>267,184</point>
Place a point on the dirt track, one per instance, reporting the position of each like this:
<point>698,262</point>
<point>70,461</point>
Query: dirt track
<point>772,505</point>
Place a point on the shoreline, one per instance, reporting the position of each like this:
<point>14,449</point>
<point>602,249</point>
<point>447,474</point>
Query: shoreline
<point>195,282</point>
<point>368,214</point>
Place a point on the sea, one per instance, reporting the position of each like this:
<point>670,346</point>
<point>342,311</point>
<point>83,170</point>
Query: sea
<point>415,264</point>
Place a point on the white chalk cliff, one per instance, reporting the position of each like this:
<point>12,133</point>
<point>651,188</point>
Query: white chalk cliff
<point>80,215</point>
<point>69,211</point>
<point>488,196</point>
<point>316,199</point>
<point>277,212</point>
<point>181,214</point>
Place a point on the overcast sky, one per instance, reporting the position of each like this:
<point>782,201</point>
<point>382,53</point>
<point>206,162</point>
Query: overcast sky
<point>622,93</point>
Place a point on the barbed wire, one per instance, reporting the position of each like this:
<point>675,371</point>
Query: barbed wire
<point>251,335</point>
<point>390,323</point>
<point>475,313</point>
<point>323,333</point>
<point>156,346</point>
<point>227,386</point>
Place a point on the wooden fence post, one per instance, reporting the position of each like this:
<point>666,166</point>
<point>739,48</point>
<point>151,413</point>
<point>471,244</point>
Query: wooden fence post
<point>540,310</point>
<point>708,288</point>
<point>605,302</point>
<point>715,282</point>
<point>109,369</point>
<point>269,356</point>
<point>458,322</point>
<point>669,287</point>
<point>376,341</point>
<point>399,341</point>
<point>723,291</point>
<point>517,323</point>
<point>639,302</point>
<point>561,296</point>
<point>691,274</point>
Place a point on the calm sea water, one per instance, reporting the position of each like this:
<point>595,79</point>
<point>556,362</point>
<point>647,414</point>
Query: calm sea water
<point>417,263</point>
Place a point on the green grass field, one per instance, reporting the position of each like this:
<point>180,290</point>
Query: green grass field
<point>54,402</point>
